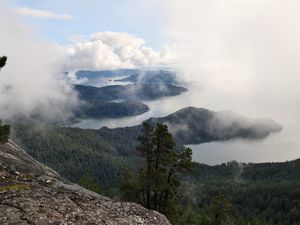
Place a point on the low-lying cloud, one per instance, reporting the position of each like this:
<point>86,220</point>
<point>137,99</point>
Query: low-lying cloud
<point>31,84</point>
<point>113,50</point>
<point>243,53</point>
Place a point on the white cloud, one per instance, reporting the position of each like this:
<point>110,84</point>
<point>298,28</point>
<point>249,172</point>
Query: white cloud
<point>31,84</point>
<point>112,50</point>
<point>43,14</point>
<point>73,79</point>
<point>245,51</point>
<point>245,55</point>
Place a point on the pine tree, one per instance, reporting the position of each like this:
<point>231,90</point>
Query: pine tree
<point>3,60</point>
<point>164,154</point>
<point>129,187</point>
<point>145,149</point>
<point>4,133</point>
<point>157,182</point>
<point>220,210</point>
<point>4,129</point>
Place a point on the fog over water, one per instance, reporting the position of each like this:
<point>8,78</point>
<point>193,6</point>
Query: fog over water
<point>102,82</point>
<point>241,56</point>
<point>277,147</point>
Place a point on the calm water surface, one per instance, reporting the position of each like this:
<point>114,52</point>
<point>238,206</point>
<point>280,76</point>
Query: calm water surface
<point>277,147</point>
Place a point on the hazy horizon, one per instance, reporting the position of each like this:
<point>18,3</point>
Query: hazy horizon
<point>239,56</point>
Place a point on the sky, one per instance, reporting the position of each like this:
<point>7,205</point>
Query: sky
<point>140,18</point>
<point>45,39</point>
<point>240,55</point>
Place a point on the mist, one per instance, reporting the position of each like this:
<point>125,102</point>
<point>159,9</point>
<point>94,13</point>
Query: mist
<point>32,84</point>
<point>242,56</point>
<point>242,53</point>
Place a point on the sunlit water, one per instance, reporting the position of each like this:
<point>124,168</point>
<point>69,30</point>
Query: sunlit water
<point>277,147</point>
<point>106,81</point>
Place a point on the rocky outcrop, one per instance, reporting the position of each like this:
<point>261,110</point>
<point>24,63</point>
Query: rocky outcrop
<point>32,193</point>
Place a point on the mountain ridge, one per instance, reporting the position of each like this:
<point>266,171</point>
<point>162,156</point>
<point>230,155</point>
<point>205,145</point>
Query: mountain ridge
<point>192,125</point>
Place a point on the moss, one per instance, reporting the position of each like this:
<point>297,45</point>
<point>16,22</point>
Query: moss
<point>14,187</point>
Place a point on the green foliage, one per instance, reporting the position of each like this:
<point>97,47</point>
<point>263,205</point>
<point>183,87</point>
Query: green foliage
<point>3,60</point>
<point>88,182</point>
<point>256,199</point>
<point>111,109</point>
<point>157,180</point>
<point>260,194</point>
<point>4,129</point>
<point>4,133</point>
<point>72,151</point>
<point>220,209</point>
<point>128,186</point>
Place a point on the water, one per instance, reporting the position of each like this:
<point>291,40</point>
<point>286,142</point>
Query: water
<point>106,81</point>
<point>277,147</point>
<point>157,108</point>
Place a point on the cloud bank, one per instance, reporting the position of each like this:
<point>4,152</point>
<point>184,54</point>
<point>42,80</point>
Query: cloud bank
<point>113,50</point>
<point>31,84</point>
<point>244,52</point>
<point>43,14</point>
<point>244,55</point>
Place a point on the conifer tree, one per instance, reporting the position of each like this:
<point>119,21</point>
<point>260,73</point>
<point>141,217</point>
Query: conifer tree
<point>220,210</point>
<point>157,181</point>
<point>3,60</point>
<point>147,171</point>
<point>4,129</point>
<point>4,133</point>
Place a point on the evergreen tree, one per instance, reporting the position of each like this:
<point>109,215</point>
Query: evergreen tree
<point>220,210</point>
<point>4,133</point>
<point>3,60</point>
<point>4,129</point>
<point>128,186</point>
<point>157,182</point>
<point>145,149</point>
<point>164,155</point>
<point>89,182</point>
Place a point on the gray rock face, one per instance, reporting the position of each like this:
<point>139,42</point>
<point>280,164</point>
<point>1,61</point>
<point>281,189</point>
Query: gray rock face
<point>31,193</point>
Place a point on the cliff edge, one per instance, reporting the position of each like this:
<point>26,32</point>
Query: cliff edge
<point>32,193</point>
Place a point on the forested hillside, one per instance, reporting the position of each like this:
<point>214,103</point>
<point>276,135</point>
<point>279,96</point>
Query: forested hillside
<point>262,193</point>
<point>74,152</point>
<point>265,193</point>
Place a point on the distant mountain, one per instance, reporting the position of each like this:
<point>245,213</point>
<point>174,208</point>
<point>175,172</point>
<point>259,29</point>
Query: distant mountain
<point>193,125</point>
<point>133,75</point>
<point>127,92</point>
<point>261,193</point>
<point>105,73</point>
<point>119,101</point>
<point>124,100</point>
<point>71,151</point>
<point>111,109</point>
<point>152,77</point>
<point>197,125</point>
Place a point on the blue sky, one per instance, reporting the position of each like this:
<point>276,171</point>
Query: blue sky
<point>138,17</point>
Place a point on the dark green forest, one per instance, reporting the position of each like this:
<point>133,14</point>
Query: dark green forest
<point>264,193</point>
<point>4,132</point>
<point>4,128</point>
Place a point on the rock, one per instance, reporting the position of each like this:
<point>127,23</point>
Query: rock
<point>39,195</point>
